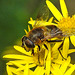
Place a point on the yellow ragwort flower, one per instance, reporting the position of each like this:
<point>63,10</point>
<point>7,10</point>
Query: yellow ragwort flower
<point>65,22</point>
<point>44,61</point>
<point>22,63</point>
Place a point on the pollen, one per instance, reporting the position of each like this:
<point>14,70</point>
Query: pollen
<point>67,25</point>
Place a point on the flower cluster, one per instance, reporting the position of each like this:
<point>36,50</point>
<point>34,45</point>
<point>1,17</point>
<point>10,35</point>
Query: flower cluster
<point>51,61</point>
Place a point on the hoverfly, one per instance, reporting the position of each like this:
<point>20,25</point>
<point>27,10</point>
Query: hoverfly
<point>39,34</point>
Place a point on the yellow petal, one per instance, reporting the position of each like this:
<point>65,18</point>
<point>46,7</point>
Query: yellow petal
<point>9,70</point>
<point>21,62</point>
<point>15,56</point>
<point>25,31</point>
<point>70,70</point>
<point>32,65</point>
<point>9,63</point>
<point>26,69</point>
<point>65,64</point>
<point>23,67</point>
<point>55,70</point>
<point>58,61</point>
<point>71,51</point>
<point>32,22</point>
<point>29,28</point>
<point>20,73</point>
<point>65,47</point>
<point>55,51</point>
<point>46,54</point>
<point>30,72</point>
<point>22,50</point>
<point>54,10</point>
<point>50,20</point>
<point>20,69</point>
<point>48,66</point>
<point>56,46</point>
<point>48,62</point>
<point>15,63</point>
<point>64,8</point>
<point>74,16</point>
<point>44,23</point>
<point>39,71</point>
<point>72,39</point>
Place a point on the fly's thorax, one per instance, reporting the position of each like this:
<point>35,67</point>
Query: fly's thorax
<point>37,34</point>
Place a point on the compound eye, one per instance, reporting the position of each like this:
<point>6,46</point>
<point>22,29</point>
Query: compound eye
<point>24,38</point>
<point>29,43</point>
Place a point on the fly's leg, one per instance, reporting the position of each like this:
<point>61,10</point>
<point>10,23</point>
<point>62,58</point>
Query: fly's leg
<point>54,40</point>
<point>33,51</point>
<point>60,51</point>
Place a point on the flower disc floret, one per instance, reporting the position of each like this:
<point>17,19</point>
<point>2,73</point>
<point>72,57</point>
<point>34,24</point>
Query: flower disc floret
<point>67,25</point>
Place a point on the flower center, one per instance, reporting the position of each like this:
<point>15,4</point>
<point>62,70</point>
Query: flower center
<point>39,57</point>
<point>67,25</point>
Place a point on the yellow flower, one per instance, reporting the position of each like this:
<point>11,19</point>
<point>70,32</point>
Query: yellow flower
<point>42,62</point>
<point>65,22</point>
<point>48,61</point>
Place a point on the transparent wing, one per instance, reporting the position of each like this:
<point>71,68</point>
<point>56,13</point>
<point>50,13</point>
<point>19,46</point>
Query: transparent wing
<point>52,32</point>
<point>43,16</point>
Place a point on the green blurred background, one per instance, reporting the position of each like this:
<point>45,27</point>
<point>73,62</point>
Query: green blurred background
<point>14,17</point>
